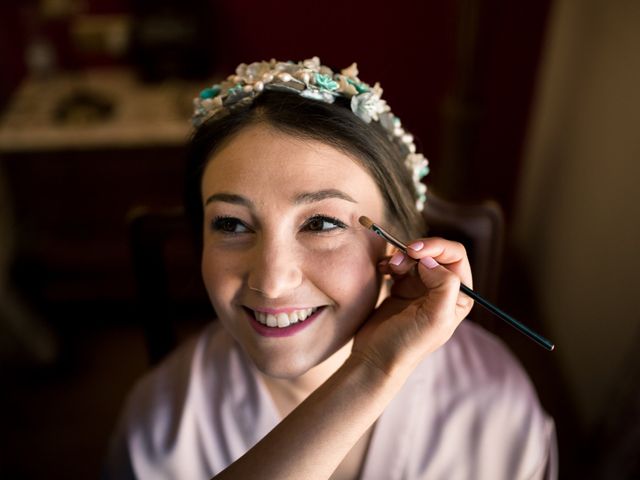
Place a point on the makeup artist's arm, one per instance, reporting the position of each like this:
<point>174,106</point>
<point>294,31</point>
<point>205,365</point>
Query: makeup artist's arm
<point>311,442</point>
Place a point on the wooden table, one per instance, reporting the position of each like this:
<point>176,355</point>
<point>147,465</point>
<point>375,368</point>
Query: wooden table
<point>72,184</point>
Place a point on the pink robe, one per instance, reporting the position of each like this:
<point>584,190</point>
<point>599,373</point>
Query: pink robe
<point>467,412</point>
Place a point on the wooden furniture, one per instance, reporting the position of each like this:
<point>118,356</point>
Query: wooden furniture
<point>480,228</point>
<point>79,151</point>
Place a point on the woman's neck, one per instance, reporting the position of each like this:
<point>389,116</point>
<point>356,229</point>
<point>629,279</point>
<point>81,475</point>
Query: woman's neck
<point>287,394</point>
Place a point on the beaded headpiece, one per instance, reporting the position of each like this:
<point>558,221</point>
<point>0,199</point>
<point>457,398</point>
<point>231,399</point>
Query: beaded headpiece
<point>312,80</point>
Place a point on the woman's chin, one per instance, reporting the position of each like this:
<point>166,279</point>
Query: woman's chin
<point>292,366</point>
<point>294,363</point>
<point>288,369</point>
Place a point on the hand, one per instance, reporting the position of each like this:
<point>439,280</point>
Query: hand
<point>424,308</point>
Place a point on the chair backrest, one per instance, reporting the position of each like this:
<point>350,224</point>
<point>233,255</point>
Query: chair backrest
<point>163,255</point>
<point>480,228</point>
<point>167,274</point>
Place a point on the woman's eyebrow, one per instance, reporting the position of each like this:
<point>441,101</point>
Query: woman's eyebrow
<point>305,197</point>
<point>310,197</point>
<point>229,198</point>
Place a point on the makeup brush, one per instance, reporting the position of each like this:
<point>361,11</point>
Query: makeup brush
<point>521,327</point>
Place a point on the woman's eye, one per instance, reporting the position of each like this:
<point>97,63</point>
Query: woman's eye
<point>229,225</point>
<point>320,223</point>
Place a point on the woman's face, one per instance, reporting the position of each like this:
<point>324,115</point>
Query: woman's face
<point>282,245</point>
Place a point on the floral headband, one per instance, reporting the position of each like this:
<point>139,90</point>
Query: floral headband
<point>312,80</point>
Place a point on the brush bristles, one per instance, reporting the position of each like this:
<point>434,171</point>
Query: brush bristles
<point>365,222</point>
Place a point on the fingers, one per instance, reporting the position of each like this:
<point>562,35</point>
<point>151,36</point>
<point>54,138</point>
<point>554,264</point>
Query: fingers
<point>445,252</point>
<point>425,302</point>
<point>400,264</point>
<point>442,266</point>
<point>440,281</point>
<point>430,252</point>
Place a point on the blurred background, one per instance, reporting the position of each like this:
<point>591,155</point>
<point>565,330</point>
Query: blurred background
<point>533,104</point>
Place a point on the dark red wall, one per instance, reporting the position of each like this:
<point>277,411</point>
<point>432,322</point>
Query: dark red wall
<point>410,47</point>
<point>511,43</point>
<point>407,46</point>
<point>12,43</point>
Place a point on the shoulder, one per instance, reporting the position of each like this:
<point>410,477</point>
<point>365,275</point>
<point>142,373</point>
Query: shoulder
<point>488,406</point>
<point>164,391</point>
<point>476,366</point>
<point>475,362</point>
<point>161,411</point>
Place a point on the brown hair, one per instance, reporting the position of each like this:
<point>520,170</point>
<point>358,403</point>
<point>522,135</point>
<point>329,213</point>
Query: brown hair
<point>333,124</point>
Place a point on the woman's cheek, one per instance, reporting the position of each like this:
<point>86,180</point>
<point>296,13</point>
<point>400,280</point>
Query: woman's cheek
<point>210,270</point>
<point>219,276</point>
<point>348,273</point>
<point>334,255</point>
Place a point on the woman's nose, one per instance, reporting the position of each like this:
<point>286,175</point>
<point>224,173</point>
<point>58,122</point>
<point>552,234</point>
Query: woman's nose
<point>275,270</point>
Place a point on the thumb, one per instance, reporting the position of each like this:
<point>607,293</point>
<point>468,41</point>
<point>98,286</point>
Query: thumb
<point>443,286</point>
<point>436,313</point>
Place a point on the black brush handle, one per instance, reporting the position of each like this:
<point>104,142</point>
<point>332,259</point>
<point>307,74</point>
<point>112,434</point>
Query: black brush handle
<point>521,327</point>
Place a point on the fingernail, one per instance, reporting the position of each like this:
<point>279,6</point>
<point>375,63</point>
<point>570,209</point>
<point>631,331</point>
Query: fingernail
<point>417,246</point>
<point>397,259</point>
<point>428,262</point>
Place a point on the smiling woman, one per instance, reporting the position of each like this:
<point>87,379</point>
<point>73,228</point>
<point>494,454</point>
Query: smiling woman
<point>289,240</point>
<point>313,348</point>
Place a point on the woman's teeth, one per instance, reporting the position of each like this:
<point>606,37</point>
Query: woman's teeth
<point>282,320</point>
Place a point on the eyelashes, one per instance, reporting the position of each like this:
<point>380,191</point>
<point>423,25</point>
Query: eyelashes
<point>323,223</point>
<point>319,224</point>
<point>229,225</point>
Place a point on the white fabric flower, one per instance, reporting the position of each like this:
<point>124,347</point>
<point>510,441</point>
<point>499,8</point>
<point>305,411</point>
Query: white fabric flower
<point>367,106</point>
<point>311,79</point>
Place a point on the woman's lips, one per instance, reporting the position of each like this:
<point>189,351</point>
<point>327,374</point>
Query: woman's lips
<point>282,322</point>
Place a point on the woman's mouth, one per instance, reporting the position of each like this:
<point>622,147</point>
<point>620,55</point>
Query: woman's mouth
<point>282,319</point>
<point>282,324</point>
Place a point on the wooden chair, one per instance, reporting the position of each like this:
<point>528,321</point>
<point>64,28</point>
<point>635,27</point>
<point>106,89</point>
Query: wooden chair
<point>480,228</point>
<point>167,274</point>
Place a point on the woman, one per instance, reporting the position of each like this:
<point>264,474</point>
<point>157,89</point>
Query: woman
<point>317,368</point>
